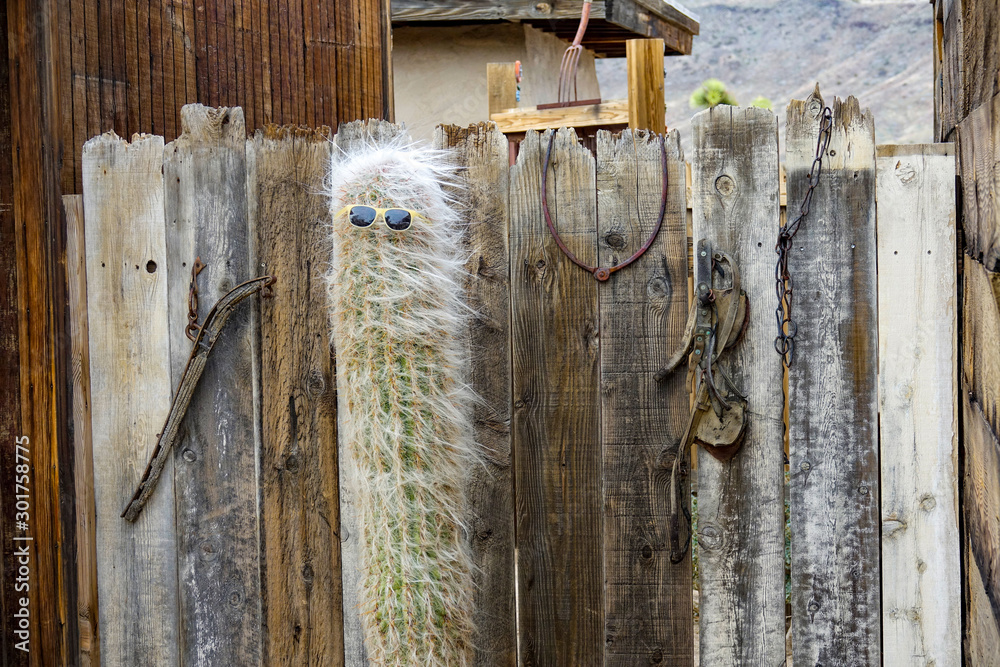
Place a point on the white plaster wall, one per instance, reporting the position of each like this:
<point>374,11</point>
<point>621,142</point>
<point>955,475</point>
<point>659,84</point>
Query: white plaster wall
<point>439,73</point>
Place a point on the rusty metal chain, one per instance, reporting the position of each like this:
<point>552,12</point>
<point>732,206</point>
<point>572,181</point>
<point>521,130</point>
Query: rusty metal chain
<point>784,344</point>
<point>192,329</point>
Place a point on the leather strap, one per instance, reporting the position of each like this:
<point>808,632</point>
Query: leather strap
<point>208,334</point>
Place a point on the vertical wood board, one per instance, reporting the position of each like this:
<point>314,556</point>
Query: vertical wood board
<point>979,152</point>
<point>981,338</point>
<point>735,187</point>
<point>215,457</point>
<point>556,419</point>
<point>917,297</point>
<point>130,385</point>
<point>833,410</point>
<point>298,461</point>
<point>643,308</point>
<point>83,461</point>
<point>481,153</point>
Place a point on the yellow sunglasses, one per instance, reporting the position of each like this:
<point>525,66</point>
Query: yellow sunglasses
<point>396,219</point>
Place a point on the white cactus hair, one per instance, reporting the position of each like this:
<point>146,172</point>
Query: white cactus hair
<point>399,328</point>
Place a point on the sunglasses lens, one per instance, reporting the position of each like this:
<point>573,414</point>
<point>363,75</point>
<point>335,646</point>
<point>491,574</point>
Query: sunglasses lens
<point>362,216</point>
<point>397,218</point>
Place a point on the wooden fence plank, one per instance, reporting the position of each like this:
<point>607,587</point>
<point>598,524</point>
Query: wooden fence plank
<point>921,568</point>
<point>482,155</point>
<point>741,502</point>
<point>643,308</point>
<point>980,499</point>
<point>215,459</point>
<point>833,429</point>
<point>130,383</point>
<point>83,461</point>
<point>980,55</point>
<point>981,338</point>
<point>948,86</point>
<point>298,462</point>
<point>556,427</point>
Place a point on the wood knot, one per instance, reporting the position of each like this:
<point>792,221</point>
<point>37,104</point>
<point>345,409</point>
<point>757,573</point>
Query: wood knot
<point>725,185</point>
<point>615,240</point>
<point>710,537</point>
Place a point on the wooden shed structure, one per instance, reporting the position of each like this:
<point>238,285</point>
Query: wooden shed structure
<point>441,50</point>
<point>73,69</point>
<point>967,112</point>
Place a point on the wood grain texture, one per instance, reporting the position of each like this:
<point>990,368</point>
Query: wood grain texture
<point>349,137</point>
<point>741,502</point>
<point>130,383</point>
<point>521,120</point>
<point>980,52</point>
<point>501,86</point>
<point>556,421</point>
<point>300,530</point>
<point>646,105</point>
<point>981,338</point>
<point>36,126</point>
<point>215,459</point>
<point>10,349</point>
<point>917,324</point>
<point>833,424</point>
<point>130,66</point>
<point>980,500</point>
<point>978,154</point>
<point>83,470</point>
<point>481,152</point>
<point>643,309</point>
<point>948,86</point>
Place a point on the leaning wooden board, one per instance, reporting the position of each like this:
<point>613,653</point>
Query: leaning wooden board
<point>917,324</point>
<point>833,400</point>
<point>741,501</point>
<point>130,396</point>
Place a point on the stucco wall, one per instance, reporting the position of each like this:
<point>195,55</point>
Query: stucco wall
<point>439,73</point>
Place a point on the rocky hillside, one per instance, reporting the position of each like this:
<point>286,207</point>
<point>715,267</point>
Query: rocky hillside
<point>879,51</point>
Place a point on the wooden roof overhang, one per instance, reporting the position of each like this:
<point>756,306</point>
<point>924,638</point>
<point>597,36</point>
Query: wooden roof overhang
<point>612,22</point>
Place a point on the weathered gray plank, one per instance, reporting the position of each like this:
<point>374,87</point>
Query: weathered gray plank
<point>948,86</point>
<point>741,502</point>
<point>921,560</point>
<point>643,311</point>
<point>833,409</point>
<point>215,459</point>
<point>556,427</point>
<point>481,153</point>
<point>130,383</point>
<point>298,463</point>
<point>349,136</point>
<point>83,450</point>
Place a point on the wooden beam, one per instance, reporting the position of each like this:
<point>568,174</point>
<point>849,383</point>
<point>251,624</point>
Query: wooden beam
<point>521,120</point>
<point>36,152</point>
<point>646,104</point>
<point>833,399</point>
<point>918,354</point>
<point>501,86</point>
<point>740,502</point>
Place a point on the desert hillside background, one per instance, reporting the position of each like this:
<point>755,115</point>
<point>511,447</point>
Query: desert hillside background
<point>879,51</point>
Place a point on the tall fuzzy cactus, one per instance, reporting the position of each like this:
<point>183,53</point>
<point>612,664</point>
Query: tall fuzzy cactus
<point>398,323</point>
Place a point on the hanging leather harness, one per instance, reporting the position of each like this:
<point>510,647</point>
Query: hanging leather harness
<point>718,421</point>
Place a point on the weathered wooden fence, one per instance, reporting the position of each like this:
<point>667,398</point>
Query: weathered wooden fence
<point>245,555</point>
